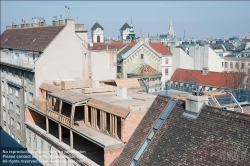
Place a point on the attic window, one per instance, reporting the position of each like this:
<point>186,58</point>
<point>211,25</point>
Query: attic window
<point>5,40</point>
<point>33,41</point>
<point>141,56</point>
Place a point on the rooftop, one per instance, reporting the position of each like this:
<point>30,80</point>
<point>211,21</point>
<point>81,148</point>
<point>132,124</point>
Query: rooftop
<point>35,38</point>
<point>206,140</point>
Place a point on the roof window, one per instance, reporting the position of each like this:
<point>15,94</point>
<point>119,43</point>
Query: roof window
<point>6,40</point>
<point>33,41</point>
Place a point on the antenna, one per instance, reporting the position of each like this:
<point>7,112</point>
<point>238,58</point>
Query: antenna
<point>67,10</point>
<point>60,17</point>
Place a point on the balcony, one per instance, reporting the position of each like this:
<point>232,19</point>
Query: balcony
<point>22,61</point>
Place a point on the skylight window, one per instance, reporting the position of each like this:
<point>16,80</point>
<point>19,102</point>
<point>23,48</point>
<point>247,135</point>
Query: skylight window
<point>33,41</point>
<point>6,40</point>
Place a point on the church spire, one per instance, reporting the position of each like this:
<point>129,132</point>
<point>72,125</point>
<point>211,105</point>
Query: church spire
<point>171,29</point>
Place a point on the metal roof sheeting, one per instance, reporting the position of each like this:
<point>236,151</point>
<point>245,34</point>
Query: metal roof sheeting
<point>49,87</point>
<point>70,96</point>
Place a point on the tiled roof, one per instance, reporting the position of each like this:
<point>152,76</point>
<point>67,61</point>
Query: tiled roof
<point>160,48</point>
<point>145,69</point>
<point>36,39</point>
<point>136,46</point>
<point>111,46</point>
<point>96,25</point>
<point>219,79</point>
<point>125,26</point>
<point>208,140</point>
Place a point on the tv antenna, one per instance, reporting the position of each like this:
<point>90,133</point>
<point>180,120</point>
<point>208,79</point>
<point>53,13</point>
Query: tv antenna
<point>67,9</point>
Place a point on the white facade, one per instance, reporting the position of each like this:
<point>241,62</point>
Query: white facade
<point>103,65</point>
<point>124,34</point>
<point>63,57</point>
<point>236,64</point>
<point>97,34</point>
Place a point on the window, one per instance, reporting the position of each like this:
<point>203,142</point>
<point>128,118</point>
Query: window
<point>35,142</point>
<point>166,60</point>
<point>25,97</point>
<point>222,64</point>
<point>17,109</point>
<point>18,126</point>
<point>141,56</point>
<point>231,65</point>
<point>2,86</point>
<point>9,119</point>
<point>4,115</point>
<point>225,64</point>
<point>166,72</point>
<point>11,106</point>
<point>242,65</point>
<point>17,92</point>
<point>29,139</point>
<point>98,39</point>
<point>10,90</point>
<point>236,65</point>
<point>41,147</point>
<point>31,97</point>
<point>12,121</point>
<point>4,101</point>
<point>30,77</point>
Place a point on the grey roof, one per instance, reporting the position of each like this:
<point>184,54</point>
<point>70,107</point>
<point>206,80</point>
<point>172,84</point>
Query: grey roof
<point>70,96</point>
<point>96,25</point>
<point>125,26</point>
<point>119,55</point>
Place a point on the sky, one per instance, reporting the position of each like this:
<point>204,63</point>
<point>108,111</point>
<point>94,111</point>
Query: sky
<point>214,19</point>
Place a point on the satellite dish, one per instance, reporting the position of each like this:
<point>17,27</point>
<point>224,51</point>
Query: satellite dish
<point>91,45</point>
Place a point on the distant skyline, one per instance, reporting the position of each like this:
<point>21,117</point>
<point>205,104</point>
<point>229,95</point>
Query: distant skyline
<point>201,19</point>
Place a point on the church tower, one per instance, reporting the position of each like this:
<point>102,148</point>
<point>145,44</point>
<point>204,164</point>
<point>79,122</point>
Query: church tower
<point>124,31</point>
<point>131,32</point>
<point>171,29</point>
<point>97,33</point>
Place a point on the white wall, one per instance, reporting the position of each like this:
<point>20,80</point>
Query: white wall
<point>168,66</point>
<point>62,59</point>
<point>103,65</point>
<point>214,61</point>
<point>124,34</point>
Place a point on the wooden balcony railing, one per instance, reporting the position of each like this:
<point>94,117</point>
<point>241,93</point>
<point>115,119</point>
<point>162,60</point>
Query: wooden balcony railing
<point>65,119</point>
<point>53,114</point>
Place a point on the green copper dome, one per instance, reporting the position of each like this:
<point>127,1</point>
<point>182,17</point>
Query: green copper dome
<point>131,30</point>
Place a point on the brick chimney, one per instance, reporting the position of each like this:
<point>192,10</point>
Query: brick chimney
<point>61,22</point>
<point>34,25</point>
<point>8,27</point>
<point>42,24</point>
<point>25,25</point>
<point>55,22</point>
<point>15,26</point>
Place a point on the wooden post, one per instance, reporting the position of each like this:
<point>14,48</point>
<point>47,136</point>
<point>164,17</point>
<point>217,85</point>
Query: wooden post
<point>101,121</point>
<point>60,110</point>
<point>47,125</point>
<point>72,115</point>
<point>86,115</point>
<point>115,126</point>
<point>71,139</point>
<point>60,132</point>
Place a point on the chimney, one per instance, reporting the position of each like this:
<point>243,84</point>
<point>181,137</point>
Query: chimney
<point>55,22</point>
<point>8,27</point>
<point>79,27</point>
<point>15,26</point>
<point>121,92</point>
<point>205,70</point>
<point>25,25</point>
<point>107,46</point>
<point>194,104</point>
<point>34,25</point>
<point>42,24</point>
<point>61,22</point>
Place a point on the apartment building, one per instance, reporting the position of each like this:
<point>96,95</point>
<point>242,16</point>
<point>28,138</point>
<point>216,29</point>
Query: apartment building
<point>84,126</point>
<point>30,55</point>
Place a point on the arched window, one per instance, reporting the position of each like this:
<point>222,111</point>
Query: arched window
<point>98,38</point>
<point>127,37</point>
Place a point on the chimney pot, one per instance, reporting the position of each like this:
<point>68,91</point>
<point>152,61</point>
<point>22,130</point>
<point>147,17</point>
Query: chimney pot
<point>205,70</point>
<point>15,26</point>
<point>8,27</point>
<point>55,22</point>
<point>121,92</point>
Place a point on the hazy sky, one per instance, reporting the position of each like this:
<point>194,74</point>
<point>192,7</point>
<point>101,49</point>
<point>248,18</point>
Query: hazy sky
<point>202,19</point>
